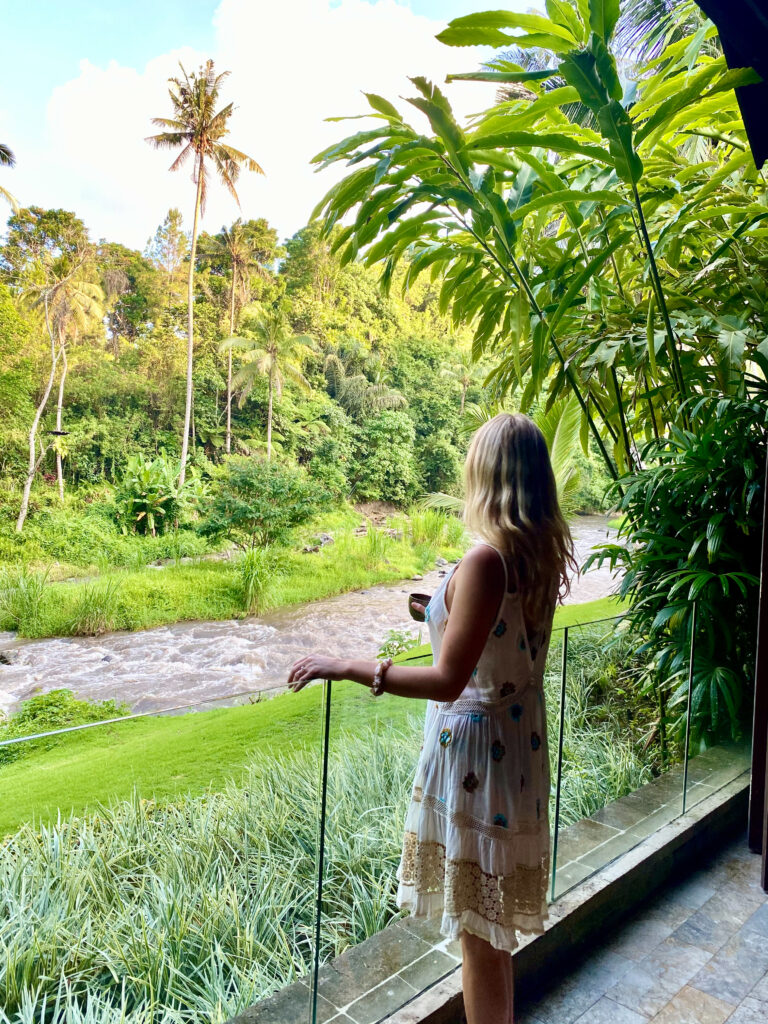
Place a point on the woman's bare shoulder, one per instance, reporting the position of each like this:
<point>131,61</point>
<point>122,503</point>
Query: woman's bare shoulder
<point>483,563</point>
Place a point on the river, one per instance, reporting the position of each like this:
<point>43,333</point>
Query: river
<point>202,661</point>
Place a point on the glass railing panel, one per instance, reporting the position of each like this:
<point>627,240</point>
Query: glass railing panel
<point>718,731</point>
<point>373,959</point>
<point>620,778</point>
<point>161,865</point>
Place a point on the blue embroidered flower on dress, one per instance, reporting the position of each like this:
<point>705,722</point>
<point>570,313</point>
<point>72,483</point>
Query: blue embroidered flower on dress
<point>445,738</point>
<point>501,629</point>
<point>535,740</point>
<point>500,820</point>
<point>471,782</point>
<point>515,712</point>
<point>498,750</point>
<point>476,717</point>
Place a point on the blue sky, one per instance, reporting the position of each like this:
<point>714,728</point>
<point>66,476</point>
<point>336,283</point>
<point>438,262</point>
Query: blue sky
<point>91,61</point>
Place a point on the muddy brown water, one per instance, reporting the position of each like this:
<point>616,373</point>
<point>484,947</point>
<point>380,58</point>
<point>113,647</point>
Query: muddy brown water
<point>212,661</point>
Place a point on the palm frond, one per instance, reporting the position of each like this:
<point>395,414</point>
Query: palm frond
<point>441,502</point>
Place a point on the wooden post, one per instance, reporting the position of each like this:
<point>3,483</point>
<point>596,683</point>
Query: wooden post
<point>758,808</point>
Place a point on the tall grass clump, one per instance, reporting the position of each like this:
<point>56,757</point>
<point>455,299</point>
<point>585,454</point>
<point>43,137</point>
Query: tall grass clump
<point>22,595</point>
<point>96,608</point>
<point>376,547</point>
<point>428,527</point>
<point>259,571</point>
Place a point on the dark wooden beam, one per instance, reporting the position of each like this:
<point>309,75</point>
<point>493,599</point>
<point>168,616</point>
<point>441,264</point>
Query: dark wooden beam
<point>758,808</point>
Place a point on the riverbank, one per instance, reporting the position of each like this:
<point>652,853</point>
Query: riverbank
<point>332,557</point>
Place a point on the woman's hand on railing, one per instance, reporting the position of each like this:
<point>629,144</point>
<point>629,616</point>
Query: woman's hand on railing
<point>314,666</point>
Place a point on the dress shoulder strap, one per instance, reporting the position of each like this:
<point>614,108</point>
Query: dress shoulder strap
<point>506,582</point>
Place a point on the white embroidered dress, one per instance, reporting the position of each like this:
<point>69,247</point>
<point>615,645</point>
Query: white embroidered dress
<point>476,845</point>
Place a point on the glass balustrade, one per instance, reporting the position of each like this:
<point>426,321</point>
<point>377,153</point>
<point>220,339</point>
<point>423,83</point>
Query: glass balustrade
<point>161,866</point>
<point>201,859</point>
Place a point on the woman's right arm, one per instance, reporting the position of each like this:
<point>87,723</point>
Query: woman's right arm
<point>479,586</point>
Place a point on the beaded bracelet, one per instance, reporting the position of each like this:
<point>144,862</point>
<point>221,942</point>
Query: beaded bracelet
<point>377,687</point>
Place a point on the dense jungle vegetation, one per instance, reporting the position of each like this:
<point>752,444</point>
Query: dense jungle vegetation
<point>592,249</point>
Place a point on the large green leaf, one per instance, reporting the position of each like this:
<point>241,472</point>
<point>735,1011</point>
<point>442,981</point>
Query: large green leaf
<point>606,67</point>
<point>603,15</point>
<point>580,71</point>
<point>617,129</point>
<point>382,106</point>
<point>484,29</point>
<point>502,77</point>
<point>554,141</point>
<point>561,12</point>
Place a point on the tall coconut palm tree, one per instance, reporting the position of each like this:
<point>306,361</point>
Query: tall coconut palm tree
<point>198,127</point>
<point>7,159</point>
<point>238,250</point>
<point>271,349</point>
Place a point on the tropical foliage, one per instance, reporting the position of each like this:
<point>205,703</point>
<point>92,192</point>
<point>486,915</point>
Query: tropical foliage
<point>606,261</point>
<point>601,231</point>
<point>689,545</point>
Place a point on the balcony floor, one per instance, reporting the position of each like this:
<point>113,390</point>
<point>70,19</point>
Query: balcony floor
<point>698,954</point>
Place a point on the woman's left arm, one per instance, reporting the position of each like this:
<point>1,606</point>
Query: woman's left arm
<point>478,590</point>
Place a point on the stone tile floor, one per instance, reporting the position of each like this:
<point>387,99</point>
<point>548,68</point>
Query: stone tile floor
<point>697,954</point>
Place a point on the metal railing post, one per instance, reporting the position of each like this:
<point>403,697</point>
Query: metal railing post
<point>560,738</point>
<point>690,703</point>
<point>321,849</point>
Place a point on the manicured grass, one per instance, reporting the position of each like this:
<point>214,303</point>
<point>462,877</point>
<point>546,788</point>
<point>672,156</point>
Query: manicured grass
<point>166,757</point>
<point>170,756</point>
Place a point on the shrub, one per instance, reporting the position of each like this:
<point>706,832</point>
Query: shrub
<point>692,534</point>
<point>258,502</point>
<point>397,641</point>
<point>149,500</point>
<point>44,712</point>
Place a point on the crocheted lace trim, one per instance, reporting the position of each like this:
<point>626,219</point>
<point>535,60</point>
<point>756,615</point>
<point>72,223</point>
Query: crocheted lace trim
<point>498,899</point>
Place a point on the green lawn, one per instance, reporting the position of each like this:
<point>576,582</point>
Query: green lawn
<point>167,757</point>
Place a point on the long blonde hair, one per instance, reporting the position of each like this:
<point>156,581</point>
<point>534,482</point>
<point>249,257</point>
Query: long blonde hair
<point>511,502</point>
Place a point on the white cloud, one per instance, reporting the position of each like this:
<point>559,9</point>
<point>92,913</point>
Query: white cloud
<point>292,65</point>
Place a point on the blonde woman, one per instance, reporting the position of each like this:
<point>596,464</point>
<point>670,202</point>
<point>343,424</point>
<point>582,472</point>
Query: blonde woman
<point>476,846</point>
